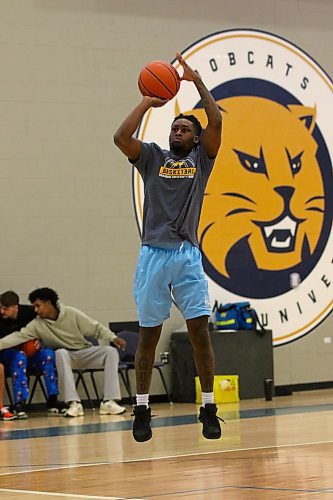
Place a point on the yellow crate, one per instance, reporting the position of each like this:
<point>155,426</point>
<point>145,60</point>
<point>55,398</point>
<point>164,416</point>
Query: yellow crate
<point>225,389</point>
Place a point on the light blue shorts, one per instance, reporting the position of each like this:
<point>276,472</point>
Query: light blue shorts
<point>166,274</point>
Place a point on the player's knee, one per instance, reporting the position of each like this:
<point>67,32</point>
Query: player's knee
<point>20,358</point>
<point>48,355</point>
<point>112,353</point>
<point>61,354</point>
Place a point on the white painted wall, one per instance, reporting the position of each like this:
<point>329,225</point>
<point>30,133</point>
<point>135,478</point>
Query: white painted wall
<point>68,77</point>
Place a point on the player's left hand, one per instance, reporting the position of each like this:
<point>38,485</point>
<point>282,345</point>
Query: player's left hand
<point>120,343</point>
<point>37,345</point>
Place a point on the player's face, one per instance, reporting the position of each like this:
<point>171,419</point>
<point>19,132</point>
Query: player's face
<point>183,136</point>
<point>44,310</point>
<point>9,312</point>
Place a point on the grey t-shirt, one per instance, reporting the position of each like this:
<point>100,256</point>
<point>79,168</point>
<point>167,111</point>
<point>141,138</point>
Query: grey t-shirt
<point>173,192</point>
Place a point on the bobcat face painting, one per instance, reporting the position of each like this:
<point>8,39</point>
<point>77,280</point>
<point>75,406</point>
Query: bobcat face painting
<point>266,185</point>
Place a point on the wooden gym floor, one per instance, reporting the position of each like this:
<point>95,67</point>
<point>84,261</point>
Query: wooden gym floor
<point>282,449</point>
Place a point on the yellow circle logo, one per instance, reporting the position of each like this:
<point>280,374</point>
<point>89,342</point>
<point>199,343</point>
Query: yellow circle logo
<point>266,220</point>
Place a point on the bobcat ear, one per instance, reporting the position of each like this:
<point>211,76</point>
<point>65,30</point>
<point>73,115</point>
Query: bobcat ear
<point>305,114</point>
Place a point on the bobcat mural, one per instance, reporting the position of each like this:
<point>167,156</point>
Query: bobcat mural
<point>266,186</point>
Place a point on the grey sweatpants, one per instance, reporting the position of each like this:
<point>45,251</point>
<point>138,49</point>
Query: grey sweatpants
<point>106,357</point>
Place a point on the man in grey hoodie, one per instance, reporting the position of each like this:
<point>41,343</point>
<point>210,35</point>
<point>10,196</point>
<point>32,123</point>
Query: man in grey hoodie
<point>65,329</point>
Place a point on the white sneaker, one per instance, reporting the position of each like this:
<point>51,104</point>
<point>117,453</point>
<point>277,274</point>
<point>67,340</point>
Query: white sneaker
<point>21,415</point>
<point>75,410</point>
<point>53,412</point>
<point>56,412</point>
<point>111,408</point>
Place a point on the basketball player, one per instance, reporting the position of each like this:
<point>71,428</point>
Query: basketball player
<point>170,260</point>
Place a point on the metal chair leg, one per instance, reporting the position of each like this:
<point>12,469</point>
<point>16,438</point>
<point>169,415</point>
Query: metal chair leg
<point>93,381</point>
<point>9,393</point>
<point>38,381</point>
<point>79,379</point>
<point>41,385</point>
<point>32,392</point>
<point>126,384</point>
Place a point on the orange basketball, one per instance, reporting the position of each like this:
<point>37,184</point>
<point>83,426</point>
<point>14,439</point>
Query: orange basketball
<point>159,79</point>
<point>29,348</point>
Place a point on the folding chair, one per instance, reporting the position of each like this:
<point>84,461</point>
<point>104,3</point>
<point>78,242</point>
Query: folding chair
<point>80,380</point>
<point>91,371</point>
<point>38,381</point>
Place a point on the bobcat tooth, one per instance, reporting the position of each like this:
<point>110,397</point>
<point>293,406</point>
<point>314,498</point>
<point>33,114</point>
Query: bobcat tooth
<point>268,231</point>
<point>281,244</point>
<point>285,224</point>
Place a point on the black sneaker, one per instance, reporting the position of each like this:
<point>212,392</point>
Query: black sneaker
<point>19,410</point>
<point>52,402</point>
<point>141,425</point>
<point>211,426</point>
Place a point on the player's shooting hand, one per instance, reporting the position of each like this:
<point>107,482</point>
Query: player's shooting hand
<point>155,102</point>
<point>189,74</point>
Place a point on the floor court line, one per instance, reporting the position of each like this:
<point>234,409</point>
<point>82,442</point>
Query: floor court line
<point>243,488</point>
<point>291,490</point>
<point>54,467</point>
<point>231,450</point>
<point>158,422</point>
<point>166,457</point>
<point>62,495</point>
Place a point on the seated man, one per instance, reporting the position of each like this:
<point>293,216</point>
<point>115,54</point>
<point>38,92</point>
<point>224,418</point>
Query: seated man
<point>15,316</point>
<point>5,414</point>
<point>64,329</point>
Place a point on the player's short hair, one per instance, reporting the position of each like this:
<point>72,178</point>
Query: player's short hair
<point>193,119</point>
<point>44,294</point>
<point>9,298</point>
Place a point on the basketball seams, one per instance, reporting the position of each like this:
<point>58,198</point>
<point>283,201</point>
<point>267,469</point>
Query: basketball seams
<point>159,80</point>
<point>143,87</point>
<point>149,93</point>
<point>176,77</point>
<point>173,73</point>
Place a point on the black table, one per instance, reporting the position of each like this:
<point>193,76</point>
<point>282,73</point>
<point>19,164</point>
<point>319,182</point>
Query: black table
<point>245,353</point>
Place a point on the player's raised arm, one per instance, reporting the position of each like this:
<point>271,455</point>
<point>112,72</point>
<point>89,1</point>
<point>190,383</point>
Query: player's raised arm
<point>123,138</point>
<point>212,134</point>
